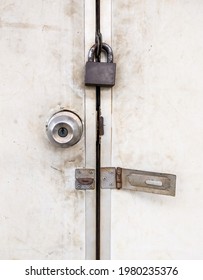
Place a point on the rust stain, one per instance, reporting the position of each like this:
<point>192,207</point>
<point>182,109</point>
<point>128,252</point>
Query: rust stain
<point>73,194</point>
<point>25,25</point>
<point>17,25</point>
<point>74,159</point>
<point>170,157</point>
<point>50,28</point>
<point>71,9</point>
<point>7,7</point>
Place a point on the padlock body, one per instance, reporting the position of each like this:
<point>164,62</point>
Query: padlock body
<point>100,74</point>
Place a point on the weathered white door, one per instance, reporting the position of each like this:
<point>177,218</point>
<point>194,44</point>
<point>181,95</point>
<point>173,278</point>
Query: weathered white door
<point>152,123</point>
<point>157,126</point>
<point>42,216</point>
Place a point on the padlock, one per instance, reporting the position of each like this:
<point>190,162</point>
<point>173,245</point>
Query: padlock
<point>100,73</point>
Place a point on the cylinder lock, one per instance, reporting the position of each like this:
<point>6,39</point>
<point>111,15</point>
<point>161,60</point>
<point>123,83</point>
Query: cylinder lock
<point>64,129</point>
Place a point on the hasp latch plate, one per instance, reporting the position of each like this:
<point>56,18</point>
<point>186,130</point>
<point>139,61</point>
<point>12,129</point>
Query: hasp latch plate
<point>136,180</point>
<point>127,179</point>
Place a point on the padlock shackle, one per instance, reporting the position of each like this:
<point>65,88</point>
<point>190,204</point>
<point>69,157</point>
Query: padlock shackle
<point>105,48</point>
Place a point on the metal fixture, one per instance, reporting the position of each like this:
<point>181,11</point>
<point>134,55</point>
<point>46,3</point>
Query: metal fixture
<point>64,129</point>
<point>128,179</point>
<point>84,179</point>
<point>100,73</point>
<point>136,180</point>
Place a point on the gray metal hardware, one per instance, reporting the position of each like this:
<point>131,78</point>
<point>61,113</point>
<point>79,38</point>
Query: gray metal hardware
<point>152,182</point>
<point>101,126</point>
<point>84,179</point>
<point>64,129</point>
<point>136,180</point>
<point>127,179</point>
<point>108,177</point>
<point>100,73</point>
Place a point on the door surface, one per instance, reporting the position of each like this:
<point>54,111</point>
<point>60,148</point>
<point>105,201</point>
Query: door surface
<point>152,121</point>
<point>157,126</point>
<point>42,216</point>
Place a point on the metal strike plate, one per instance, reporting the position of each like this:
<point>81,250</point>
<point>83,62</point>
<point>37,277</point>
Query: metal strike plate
<point>136,180</point>
<point>84,179</point>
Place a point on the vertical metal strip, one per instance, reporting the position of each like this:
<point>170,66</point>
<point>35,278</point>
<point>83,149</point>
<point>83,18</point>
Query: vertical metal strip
<point>98,166</point>
<point>97,16</point>
<point>98,146</point>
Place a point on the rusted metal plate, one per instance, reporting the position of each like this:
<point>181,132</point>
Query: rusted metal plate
<point>151,182</point>
<point>84,179</point>
<point>136,180</point>
<point>108,178</point>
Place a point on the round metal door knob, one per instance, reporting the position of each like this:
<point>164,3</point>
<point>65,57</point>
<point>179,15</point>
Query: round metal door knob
<point>64,129</point>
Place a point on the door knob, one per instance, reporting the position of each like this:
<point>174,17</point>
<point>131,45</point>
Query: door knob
<point>64,129</point>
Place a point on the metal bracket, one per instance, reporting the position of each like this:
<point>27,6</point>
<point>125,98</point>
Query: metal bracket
<point>127,179</point>
<point>136,180</point>
<point>84,179</point>
<point>101,126</point>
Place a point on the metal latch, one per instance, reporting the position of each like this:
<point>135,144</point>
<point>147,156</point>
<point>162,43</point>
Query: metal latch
<point>127,179</point>
<point>136,180</point>
<point>84,179</point>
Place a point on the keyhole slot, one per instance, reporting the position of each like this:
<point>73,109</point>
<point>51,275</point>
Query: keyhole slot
<point>156,183</point>
<point>63,132</point>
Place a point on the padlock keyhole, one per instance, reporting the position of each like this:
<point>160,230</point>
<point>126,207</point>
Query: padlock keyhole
<point>63,132</point>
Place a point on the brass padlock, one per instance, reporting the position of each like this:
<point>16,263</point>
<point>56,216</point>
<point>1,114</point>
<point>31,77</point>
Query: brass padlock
<point>100,73</point>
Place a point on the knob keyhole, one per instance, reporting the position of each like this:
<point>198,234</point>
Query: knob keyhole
<point>62,132</point>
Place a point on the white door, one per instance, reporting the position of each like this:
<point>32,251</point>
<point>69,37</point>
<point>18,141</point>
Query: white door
<point>42,216</point>
<point>152,122</point>
<point>156,122</point>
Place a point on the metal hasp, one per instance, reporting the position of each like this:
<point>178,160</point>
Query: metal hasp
<point>136,180</point>
<point>84,179</point>
<point>100,73</point>
<point>127,179</point>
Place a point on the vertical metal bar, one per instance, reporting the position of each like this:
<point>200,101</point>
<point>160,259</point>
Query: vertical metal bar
<point>97,16</point>
<point>98,165</point>
<point>98,146</point>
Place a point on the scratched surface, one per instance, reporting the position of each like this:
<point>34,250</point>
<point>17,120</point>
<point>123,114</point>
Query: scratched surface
<point>157,126</point>
<point>41,71</point>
